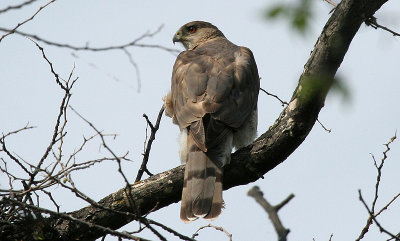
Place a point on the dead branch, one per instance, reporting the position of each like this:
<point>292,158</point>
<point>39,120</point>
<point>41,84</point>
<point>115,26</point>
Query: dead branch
<point>283,103</point>
<point>52,69</point>
<point>216,228</point>
<point>371,211</point>
<point>16,6</point>
<point>133,43</point>
<point>26,127</point>
<point>372,216</point>
<point>62,113</point>
<point>275,96</point>
<point>272,211</point>
<point>117,158</point>
<point>69,217</point>
<point>373,22</point>
<point>323,127</point>
<point>27,20</point>
<point>154,129</point>
<point>123,47</point>
<point>136,67</point>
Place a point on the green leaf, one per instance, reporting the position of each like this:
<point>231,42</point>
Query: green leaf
<point>300,20</point>
<point>276,11</point>
<point>339,87</point>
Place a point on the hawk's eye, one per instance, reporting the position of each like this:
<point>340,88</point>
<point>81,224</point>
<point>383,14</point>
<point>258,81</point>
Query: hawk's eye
<point>192,29</point>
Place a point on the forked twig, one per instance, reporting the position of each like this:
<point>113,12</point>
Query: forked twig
<point>146,154</point>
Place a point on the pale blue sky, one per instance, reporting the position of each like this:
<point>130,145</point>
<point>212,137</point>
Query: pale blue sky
<point>324,173</point>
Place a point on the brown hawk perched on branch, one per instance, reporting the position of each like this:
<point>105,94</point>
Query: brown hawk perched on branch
<point>213,99</point>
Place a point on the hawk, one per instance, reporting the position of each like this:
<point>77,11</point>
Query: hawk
<point>213,100</point>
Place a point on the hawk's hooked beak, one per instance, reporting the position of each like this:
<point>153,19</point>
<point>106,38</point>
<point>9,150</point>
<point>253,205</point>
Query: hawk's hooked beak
<point>177,37</point>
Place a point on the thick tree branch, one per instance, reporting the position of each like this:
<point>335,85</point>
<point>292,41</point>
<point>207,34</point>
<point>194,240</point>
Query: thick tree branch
<point>252,162</point>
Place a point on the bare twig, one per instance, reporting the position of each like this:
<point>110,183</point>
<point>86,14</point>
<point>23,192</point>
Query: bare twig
<point>216,228</point>
<point>128,189</point>
<point>135,66</point>
<point>182,237</point>
<point>275,96</point>
<point>12,157</point>
<point>278,206</point>
<point>153,230</point>
<point>118,159</point>
<point>27,20</point>
<point>123,47</point>
<point>371,21</point>
<point>62,112</point>
<point>372,216</point>
<point>372,213</point>
<point>283,103</point>
<point>16,6</point>
<point>133,43</point>
<point>272,211</point>
<point>154,129</point>
<point>26,127</point>
<point>69,217</point>
<point>331,3</point>
<point>51,68</point>
<point>326,129</point>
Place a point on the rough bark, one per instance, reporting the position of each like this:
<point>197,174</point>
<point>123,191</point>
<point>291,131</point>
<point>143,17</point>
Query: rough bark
<point>250,163</point>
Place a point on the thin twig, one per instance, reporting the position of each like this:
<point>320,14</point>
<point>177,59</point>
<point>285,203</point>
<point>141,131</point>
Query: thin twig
<point>136,67</point>
<point>388,204</point>
<point>4,148</point>
<point>133,43</point>
<point>16,6</point>
<point>286,103</point>
<point>275,96</point>
<point>146,154</point>
<point>27,20</point>
<point>216,228</point>
<point>331,3</point>
<point>326,129</point>
<point>51,67</point>
<point>128,189</point>
<point>26,127</point>
<point>104,145</point>
<point>153,230</point>
<point>284,202</point>
<point>371,21</point>
<point>182,237</point>
<point>67,87</point>
<point>80,221</point>
<point>373,217</point>
<point>372,214</point>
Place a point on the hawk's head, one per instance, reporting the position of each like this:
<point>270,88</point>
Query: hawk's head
<point>194,33</point>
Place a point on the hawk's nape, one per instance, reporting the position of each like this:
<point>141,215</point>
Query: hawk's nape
<point>213,99</point>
